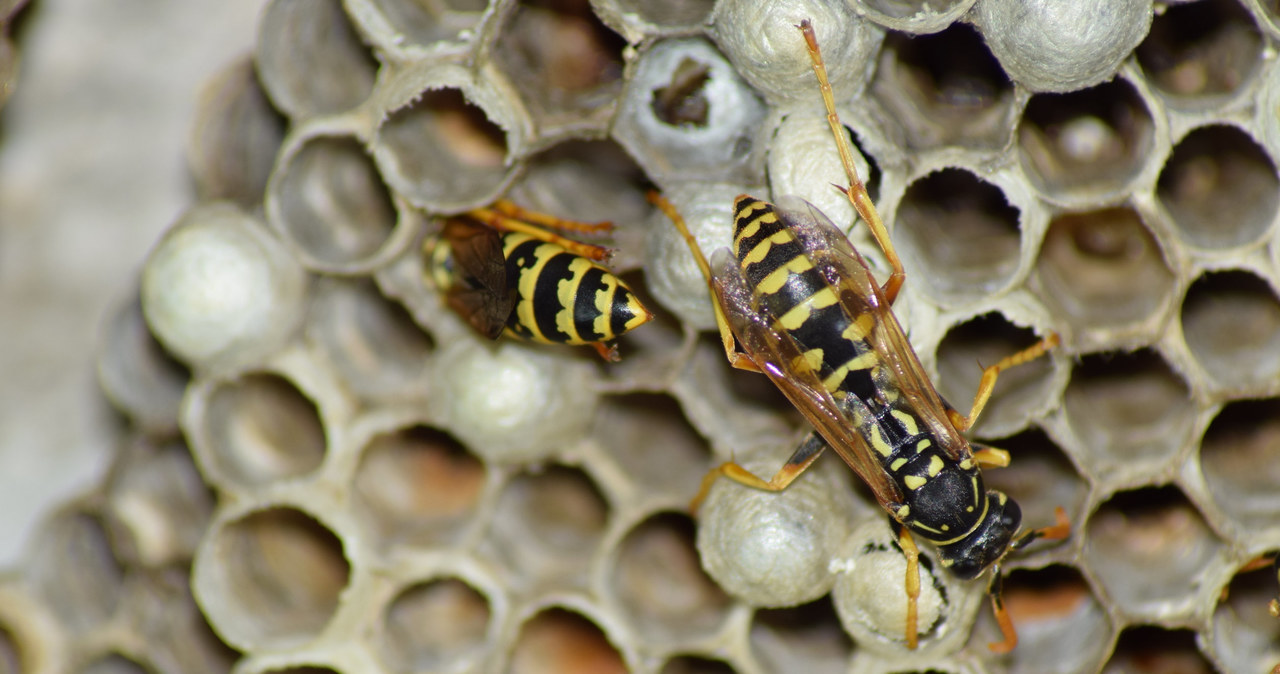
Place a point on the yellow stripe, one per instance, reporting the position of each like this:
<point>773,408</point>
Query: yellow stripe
<point>914,481</point>
<point>935,465</point>
<point>809,361</point>
<point>878,443</point>
<point>604,306</point>
<point>908,422</point>
<point>751,228</point>
<point>527,283</point>
<point>778,277</point>
<point>897,463</point>
<point>976,523</point>
<point>859,328</point>
<point>923,445</point>
<point>797,315</point>
<point>566,293</point>
<point>863,361</point>
<point>758,253</point>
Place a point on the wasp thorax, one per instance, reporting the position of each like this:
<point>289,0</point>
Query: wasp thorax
<point>989,540</point>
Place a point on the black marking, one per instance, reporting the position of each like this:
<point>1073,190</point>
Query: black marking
<point>585,312</point>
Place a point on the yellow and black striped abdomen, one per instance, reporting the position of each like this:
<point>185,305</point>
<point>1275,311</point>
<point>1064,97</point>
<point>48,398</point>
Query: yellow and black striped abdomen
<point>562,298</point>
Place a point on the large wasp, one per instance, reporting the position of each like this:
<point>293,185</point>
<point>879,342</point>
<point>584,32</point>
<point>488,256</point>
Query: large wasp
<point>505,272</point>
<point>808,313</point>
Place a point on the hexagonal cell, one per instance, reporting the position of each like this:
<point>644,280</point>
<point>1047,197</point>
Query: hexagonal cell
<point>442,624</point>
<point>660,586</point>
<point>178,638</point>
<point>142,379</point>
<point>807,636</point>
<point>566,64</point>
<point>1237,457</point>
<point>1130,411</point>
<point>1149,549</point>
<point>696,664</point>
<point>311,60</point>
<point>1199,51</point>
<point>547,526</point>
<point>945,89</point>
<point>687,114</point>
<point>328,201</point>
<point>1040,478</point>
<point>372,342</point>
<point>256,429</point>
<point>271,578</point>
<point>1062,626</point>
<point>562,641</point>
<point>423,24</point>
<point>651,440</point>
<point>1220,187</point>
<point>1086,145</point>
<point>234,138</point>
<point>1102,269</point>
<point>114,663</point>
<point>72,567</point>
<point>1020,392</point>
<point>958,235</point>
<point>1245,636</point>
<point>1231,322</point>
<point>417,487</point>
<point>156,505</point>
<point>1147,648</point>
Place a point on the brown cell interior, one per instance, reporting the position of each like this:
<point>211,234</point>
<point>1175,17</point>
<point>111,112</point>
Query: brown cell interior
<point>261,428</point>
<point>1201,49</point>
<point>560,641</point>
<point>434,626</point>
<point>1238,458</point>
<point>1231,322</point>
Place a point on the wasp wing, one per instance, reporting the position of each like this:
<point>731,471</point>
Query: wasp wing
<point>480,293</point>
<point>779,356</point>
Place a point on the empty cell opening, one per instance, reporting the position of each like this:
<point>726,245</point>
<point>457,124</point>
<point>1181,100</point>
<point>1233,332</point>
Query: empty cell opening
<point>332,204</point>
<point>810,634</point>
<point>372,341</point>
<point>1102,268</point>
<point>548,524</point>
<point>261,428</point>
<point>945,89</point>
<point>139,376</point>
<point>115,664</point>
<point>682,101</point>
<point>959,235</point>
<point>157,505</point>
<point>659,582</point>
<point>424,23</point>
<point>235,138</point>
<point>1206,48</point>
<point>74,569</point>
<point>277,575</point>
<point>438,625</point>
<point>1127,408</point>
<point>1061,625</point>
<point>311,60</point>
<point>1040,478</point>
<point>649,436</point>
<point>1095,138</point>
<point>417,487</point>
<point>1220,187</point>
<point>695,664</point>
<point>1147,648</point>
<point>560,641</point>
<point>1238,459</point>
<point>985,340</point>
<point>1149,548</point>
<point>1231,321</point>
<point>1246,635</point>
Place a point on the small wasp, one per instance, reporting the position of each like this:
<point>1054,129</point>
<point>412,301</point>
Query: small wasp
<point>502,270</point>
<point>808,313</point>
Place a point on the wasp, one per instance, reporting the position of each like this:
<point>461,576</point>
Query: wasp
<point>505,272</point>
<point>807,312</point>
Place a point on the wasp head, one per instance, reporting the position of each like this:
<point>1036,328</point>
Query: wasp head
<point>988,542</point>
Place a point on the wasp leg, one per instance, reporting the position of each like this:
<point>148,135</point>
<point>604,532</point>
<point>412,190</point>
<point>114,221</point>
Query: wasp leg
<point>511,210</point>
<point>800,460</point>
<point>912,584</point>
<point>990,457</point>
<point>1057,531</point>
<point>736,358</point>
<point>857,191</point>
<point>500,221</point>
<point>992,372</point>
<point>609,352</point>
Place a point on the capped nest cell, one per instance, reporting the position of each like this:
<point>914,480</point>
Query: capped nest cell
<point>357,481</point>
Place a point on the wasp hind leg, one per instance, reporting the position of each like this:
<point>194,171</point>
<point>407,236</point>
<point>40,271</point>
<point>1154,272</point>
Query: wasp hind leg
<point>508,217</point>
<point>992,372</point>
<point>800,460</point>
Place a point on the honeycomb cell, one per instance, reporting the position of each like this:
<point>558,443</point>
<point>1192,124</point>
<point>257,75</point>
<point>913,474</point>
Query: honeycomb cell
<point>636,19</point>
<point>563,641</point>
<point>234,138</point>
<point>449,142</point>
<point>650,439</point>
<point>156,504</point>
<point>1220,188</point>
<point>659,585</point>
<point>372,342</point>
<point>1062,46</point>
<point>1245,637</point>
<point>1102,270</point>
<point>686,114</point>
<point>1238,460</point>
<point>693,664</point>
<point>958,235</point>
<point>944,89</point>
<point>808,636</point>
<point>256,429</point>
<point>328,202</point>
<point>1231,322</point>
<point>1041,479</point>
<point>270,579</point>
<point>1021,392</point>
<point>310,59</point>
<point>1130,412</point>
<point>913,16</point>
<point>1087,146</point>
<point>1149,549</point>
<point>73,568</point>
<point>411,26</point>
<point>178,639</point>
<point>1200,51</point>
<point>114,663</point>
<point>547,526</point>
<point>137,375</point>
<point>1062,627</point>
<point>1147,648</point>
<point>417,487</point>
<point>566,64</point>
<point>440,625</point>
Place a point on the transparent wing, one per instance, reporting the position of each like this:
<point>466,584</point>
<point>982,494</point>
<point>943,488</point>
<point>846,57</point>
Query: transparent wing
<point>479,293</point>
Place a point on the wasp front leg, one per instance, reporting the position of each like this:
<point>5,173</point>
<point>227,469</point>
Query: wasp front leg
<point>800,460</point>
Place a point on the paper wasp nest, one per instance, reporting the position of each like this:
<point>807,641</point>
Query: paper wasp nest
<point>363,485</point>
